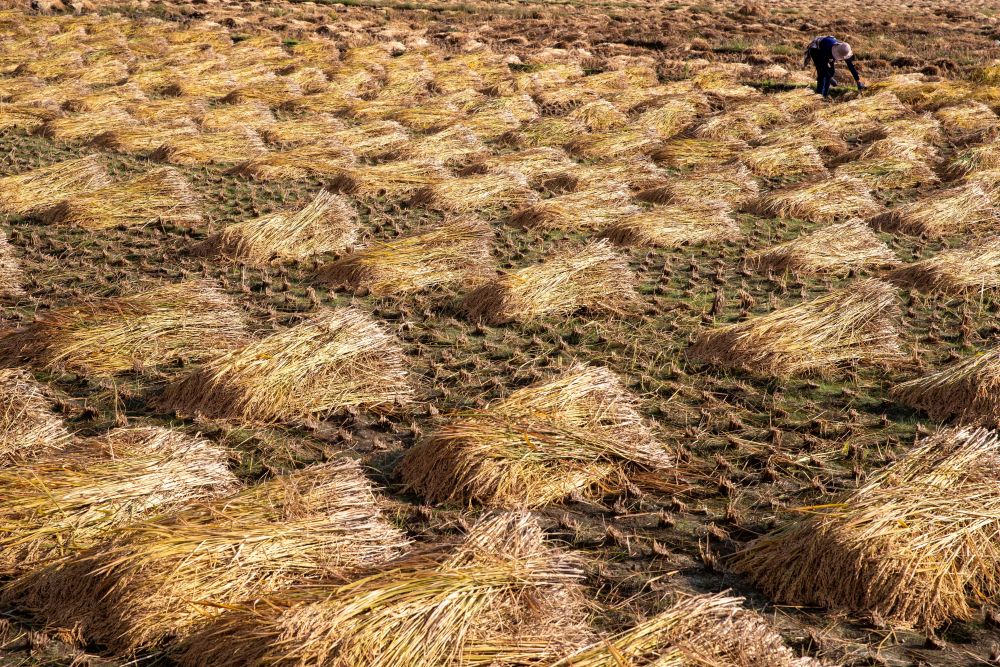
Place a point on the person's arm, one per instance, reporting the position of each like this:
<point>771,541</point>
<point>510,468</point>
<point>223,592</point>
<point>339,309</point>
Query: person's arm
<point>805,60</point>
<point>854,72</point>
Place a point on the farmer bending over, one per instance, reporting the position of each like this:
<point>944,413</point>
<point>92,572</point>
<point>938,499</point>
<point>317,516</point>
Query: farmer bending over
<point>824,52</point>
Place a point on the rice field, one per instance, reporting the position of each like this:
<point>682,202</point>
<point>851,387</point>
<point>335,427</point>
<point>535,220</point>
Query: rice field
<point>435,334</point>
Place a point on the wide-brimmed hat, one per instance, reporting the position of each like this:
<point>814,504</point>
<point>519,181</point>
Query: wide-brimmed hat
<point>842,51</point>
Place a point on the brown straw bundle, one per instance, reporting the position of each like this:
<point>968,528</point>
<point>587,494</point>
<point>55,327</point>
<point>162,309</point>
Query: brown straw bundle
<point>28,426</point>
<point>834,249</point>
<point>38,189</point>
<point>675,225</point>
<point>960,271</point>
<point>959,210</point>
<point>837,198</point>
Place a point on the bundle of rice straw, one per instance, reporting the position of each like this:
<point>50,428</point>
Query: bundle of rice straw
<point>165,576</point>
<point>555,132</point>
<point>492,125</point>
<point>299,162</point>
<point>598,116</point>
<point>141,139</point>
<point>107,99</point>
<point>305,130</point>
<point>334,360</point>
<point>966,118</point>
<point>965,391</point>
<point>456,145</point>
<point>669,117</point>
<point>616,143</point>
<point>854,324</point>
<point>593,277</point>
<point>636,173</point>
<point>255,115</point>
<point>28,427</point>
<point>894,147</point>
<point>960,271</point>
<point>25,117</point>
<point>862,115</point>
<point>731,184</point>
<point>923,128</point>
<point>730,125</point>
<point>538,165</point>
<point>915,546</point>
<point>455,252</point>
<point>390,179</point>
<point>577,433</point>
<point>327,224</point>
<point>33,191</point>
<point>787,159</point>
<point>71,499</point>
<point>477,193</point>
<point>592,209</point>
<point>11,275</point>
<point>695,630</point>
<point>270,92</point>
<point>522,107</point>
<point>889,173</point>
<point>161,195</point>
<point>676,225</point>
<point>688,153</point>
<point>372,140</point>
<point>966,208</point>
<point>188,320</point>
<point>816,133</point>
<point>839,197</point>
<point>235,145</point>
<point>336,100</point>
<point>167,111</point>
<point>834,249</point>
<point>503,596</point>
<point>82,127</point>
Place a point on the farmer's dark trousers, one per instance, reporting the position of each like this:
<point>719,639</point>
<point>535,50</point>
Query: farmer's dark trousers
<point>824,72</point>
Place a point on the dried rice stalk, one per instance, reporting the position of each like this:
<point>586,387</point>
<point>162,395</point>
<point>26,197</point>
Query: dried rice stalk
<point>229,117</point>
<point>620,143</point>
<point>189,320</point>
<point>889,173</point>
<point>675,225</point>
<point>538,165</point>
<point>598,116</point>
<point>839,197</point>
<point>854,324</point>
<point>452,253</point>
<point>553,132</point>
<point>392,179</point>
<point>959,210</point>
<point>688,153</point>
<point>669,117</point>
<point>211,148</point>
<point>834,249</point>
<point>28,427</point>
<point>11,275</point>
<point>482,193</point>
<point>69,500</point>
<point>788,159</point>
<point>306,130</point>
<point>965,391</point>
<point>335,360</point>
<point>504,596</point>
<point>732,185</point>
<point>164,576</point>
<point>594,277</point>
<point>298,163</point>
<point>915,546</point>
<point>968,117</point>
<point>38,189</point>
<point>25,117</point>
<point>977,158</point>
<point>862,115</point>
<point>167,111</point>
<point>327,224</point>
<point>591,209</point>
<point>455,145</point>
<point>162,195</point>
<point>961,271</point>
<point>816,133</point>
<point>83,127</point>
<point>141,139</point>
<point>574,434</point>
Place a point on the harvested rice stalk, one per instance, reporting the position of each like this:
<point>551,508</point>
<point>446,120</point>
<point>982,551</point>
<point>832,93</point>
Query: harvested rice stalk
<point>676,225</point>
<point>297,131</point>
<point>25,117</point>
<point>598,116</point>
<point>788,159</point>
<point>816,133</point>
<point>574,434</point>
<point>854,324</point>
<point>688,153</point>
<point>270,92</point>
<point>731,184</point>
<point>885,173</point>
<point>965,391</point>
<point>537,164</point>
<point>211,148</point>
<point>696,630</point>
<point>637,173</point>
<point>83,127</point>
<point>101,337</point>
<point>28,426</point>
<point>452,253</point>
<point>503,596</point>
<point>552,132</point>
<point>455,145</point>
<point>522,107</point>
<point>592,209</point>
<point>141,139</point>
<point>167,111</point>
<point>924,128</point>
<point>327,224</point>
<point>227,117</point>
<point>619,143</point>
<point>834,249</point>
<point>391,179</point>
<point>69,500</point>
<point>977,158</point>
<point>862,115</point>
<point>11,275</point>
<point>594,277</point>
<point>967,208</point>
<point>893,148</point>
<point>336,101</point>
<point>730,126</point>
<point>164,576</point>
<point>335,360</point>
<point>298,163</point>
<point>839,197</point>
<point>482,193</point>
<point>965,118</point>
<point>162,195</point>
<point>915,546</point>
<point>669,117</point>
<point>36,190</point>
<point>108,99</point>
<point>492,125</point>
<point>961,271</point>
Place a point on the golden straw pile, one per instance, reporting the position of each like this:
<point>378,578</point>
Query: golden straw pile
<point>674,225</point>
<point>967,391</point>
<point>837,248</point>
<point>36,190</point>
<point>28,426</point>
